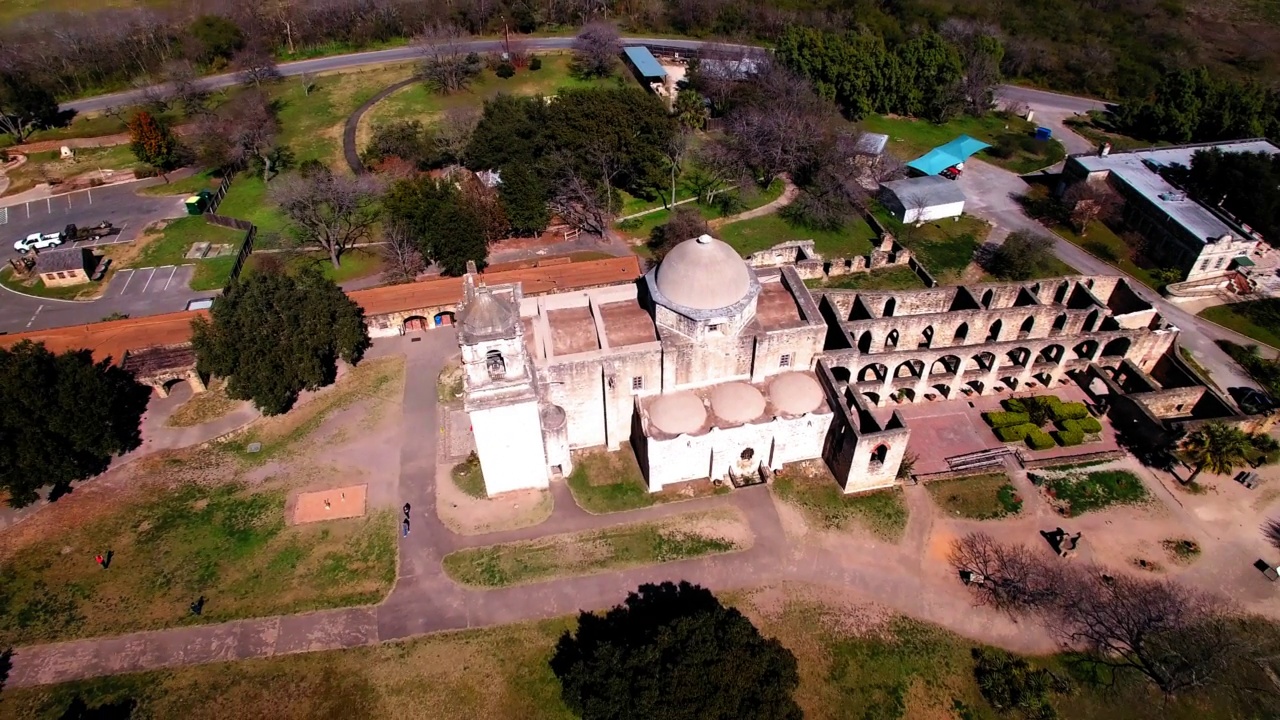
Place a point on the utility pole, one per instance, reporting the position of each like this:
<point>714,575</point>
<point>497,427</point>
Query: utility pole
<point>506,38</point>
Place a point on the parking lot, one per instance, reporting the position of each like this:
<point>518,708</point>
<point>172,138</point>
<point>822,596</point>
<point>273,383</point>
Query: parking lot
<point>168,279</point>
<point>117,204</point>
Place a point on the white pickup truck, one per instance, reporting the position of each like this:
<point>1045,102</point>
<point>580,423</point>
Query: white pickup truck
<point>38,241</point>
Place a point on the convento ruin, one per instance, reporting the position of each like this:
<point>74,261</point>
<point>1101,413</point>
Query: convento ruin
<point>711,368</point>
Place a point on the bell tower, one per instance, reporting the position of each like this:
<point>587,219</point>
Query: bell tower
<point>499,388</point>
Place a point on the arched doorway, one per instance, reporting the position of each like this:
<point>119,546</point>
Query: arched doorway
<point>444,318</point>
<point>416,323</point>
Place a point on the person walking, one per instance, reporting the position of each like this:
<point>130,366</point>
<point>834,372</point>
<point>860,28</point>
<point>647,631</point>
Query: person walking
<point>404,528</point>
<point>102,562</point>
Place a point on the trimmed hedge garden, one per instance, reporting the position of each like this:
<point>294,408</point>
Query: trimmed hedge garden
<point>1022,419</point>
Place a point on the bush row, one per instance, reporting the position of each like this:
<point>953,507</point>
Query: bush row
<point>1005,419</point>
<point>1086,425</point>
<point>1038,439</point>
<point>1068,438</point>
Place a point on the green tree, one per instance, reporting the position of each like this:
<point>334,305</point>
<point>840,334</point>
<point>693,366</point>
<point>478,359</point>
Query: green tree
<point>62,418</point>
<point>1217,447</point>
<point>1246,184</point>
<point>153,142</point>
<point>1022,256</point>
<point>25,105</point>
<point>273,335</point>
<point>524,196</point>
<point>673,651</point>
<point>449,226</point>
<point>216,39</point>
<point>690,110</point>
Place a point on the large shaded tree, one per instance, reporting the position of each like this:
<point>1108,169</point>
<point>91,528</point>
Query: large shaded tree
<point>152,142</point>
<point>62,418</point>
<point>1245,184</point>
<point>273,335</point>
<point>25,105</point>
<point>329,211</point>
<point>1022,256</point>
<point>1216,447</point>
<point>452,226</point>
<point>673,651</point>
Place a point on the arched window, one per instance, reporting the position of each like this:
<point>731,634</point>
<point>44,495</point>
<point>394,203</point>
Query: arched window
<point>495,363</point>
<point>994,334</point>
<point>879,454</point>
<point>1027,325</point>
<point>889,306</point>
<point>962,332</point>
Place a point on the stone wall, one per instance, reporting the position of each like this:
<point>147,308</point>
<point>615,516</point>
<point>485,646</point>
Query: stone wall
<point>811,265</point>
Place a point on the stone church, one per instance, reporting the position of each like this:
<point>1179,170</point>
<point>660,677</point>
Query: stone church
<point>713,369</point>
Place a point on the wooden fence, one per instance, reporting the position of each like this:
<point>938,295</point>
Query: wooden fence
<point>250,230</point>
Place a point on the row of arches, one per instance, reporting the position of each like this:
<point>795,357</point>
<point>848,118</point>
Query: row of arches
<point>994,333</point>
<point>951,364</point>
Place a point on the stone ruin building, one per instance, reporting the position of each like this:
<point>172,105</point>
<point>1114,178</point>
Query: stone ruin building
<point>710,368</point>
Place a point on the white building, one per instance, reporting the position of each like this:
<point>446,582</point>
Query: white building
<point>922,199</point>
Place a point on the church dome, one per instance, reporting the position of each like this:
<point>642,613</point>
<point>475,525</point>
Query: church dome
<point>703,274</point>
<point>677,413</point>
<point>736,402</point>
<point>795,393</point>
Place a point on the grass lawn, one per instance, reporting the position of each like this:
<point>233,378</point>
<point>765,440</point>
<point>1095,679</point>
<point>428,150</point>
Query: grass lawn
<point>1101,242</point>
<point>355,263</point>
<point>469,478</point>
<point>1097,129</point>
<point>247,200</point>
<point>675,538</point>
<point>1011,136</point>
<point>883,512</point>
<point>48,166</point>
<point>203,407</point>
<point>761,233</point>
<point>753,198</point>
<point>171,247</point>
<point>605,482</point>
<point>903,669</point>
<point>35,286</point>
<point>203,180</point>
<point>225,541</point>
<point>1258,319</point>
<point>898,277</point>
<point>945,247</point>
<point>1080,493</point>
<point>977,497</point>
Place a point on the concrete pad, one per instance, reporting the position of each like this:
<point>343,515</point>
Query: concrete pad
<point>335,504</point>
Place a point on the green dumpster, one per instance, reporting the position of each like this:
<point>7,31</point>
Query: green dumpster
<point>195,205</point>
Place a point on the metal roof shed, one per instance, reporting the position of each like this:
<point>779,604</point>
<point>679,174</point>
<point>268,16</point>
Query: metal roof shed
<point>645,63</point>
<point>921,199</point>
<point>949,155</point>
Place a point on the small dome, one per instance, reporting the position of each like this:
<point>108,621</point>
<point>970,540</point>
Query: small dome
<point>795,393</point>
<point>703,274</point>
<point>487,316</point>
<point>553,417</point>
<point>677,413</point>
<point>736,402</point>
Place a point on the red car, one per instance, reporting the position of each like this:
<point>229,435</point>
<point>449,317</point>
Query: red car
<point>951,173</point>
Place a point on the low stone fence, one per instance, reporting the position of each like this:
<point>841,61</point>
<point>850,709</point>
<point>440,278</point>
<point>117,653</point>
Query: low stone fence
<point>810,265</point>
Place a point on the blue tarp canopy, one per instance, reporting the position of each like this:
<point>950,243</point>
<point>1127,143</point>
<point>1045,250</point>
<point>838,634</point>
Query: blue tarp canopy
<point>645,63</point>
<point>944,156</point>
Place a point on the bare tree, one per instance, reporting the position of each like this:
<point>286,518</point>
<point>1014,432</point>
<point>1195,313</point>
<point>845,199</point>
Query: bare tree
<point>1177,637</point>
<point>254,66</point>
<point>453,132</point>
<point>402,260</point>
<point>155,96</point>
<point>596,49</point>
<point>447,66</point>
<point>243,131</point>
<point>331,212</point>
<point>1088,201</point>
<point>1008,577</point>
<point>779,128</point>
<point>980,53</point>
<point>308,81</point>
<point>185,88</point>
<point>1271,531</point>
<point>581,203</point>
<point>716,166</point>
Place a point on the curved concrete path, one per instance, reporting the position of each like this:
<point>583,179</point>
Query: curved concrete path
<point>352,125</point>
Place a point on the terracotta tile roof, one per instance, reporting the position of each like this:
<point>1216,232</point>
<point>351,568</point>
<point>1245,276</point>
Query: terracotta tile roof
<point>112,339</point>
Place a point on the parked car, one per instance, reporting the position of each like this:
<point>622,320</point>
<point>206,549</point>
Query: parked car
<point>38,241</point>
<point>73,233</point>
<point>952,173</point>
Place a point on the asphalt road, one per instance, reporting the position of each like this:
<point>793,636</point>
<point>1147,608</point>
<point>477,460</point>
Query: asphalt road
<point>408,53</point>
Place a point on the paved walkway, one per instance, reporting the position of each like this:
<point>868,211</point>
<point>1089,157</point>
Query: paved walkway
<point>789,192</point>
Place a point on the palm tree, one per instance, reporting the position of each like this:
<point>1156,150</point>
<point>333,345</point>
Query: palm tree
<point>1217,447</point>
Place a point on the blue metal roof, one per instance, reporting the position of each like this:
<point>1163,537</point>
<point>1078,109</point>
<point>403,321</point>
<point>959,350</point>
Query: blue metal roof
<point>945,156</point>
<point>644,61</point>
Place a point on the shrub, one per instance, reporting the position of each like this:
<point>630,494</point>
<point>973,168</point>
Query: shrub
<point>1015,433</point>
<point>505,70</point>
<point>1005,419</point>
<point>1038,439</point>
<point>1069,411</point>
<point>1068,438</point>
<point>1089,424</point>
<point>535,64</point>
<point>1010,684</point>
<point>146,171</point>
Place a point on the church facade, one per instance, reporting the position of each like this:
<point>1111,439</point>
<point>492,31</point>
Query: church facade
<point>712,369</point>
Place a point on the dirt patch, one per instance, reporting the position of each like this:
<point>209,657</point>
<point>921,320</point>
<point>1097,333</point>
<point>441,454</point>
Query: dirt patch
<point>332,504</point>
<point>468,515</point>
<point>727,524</point>
<point>204,407</point>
